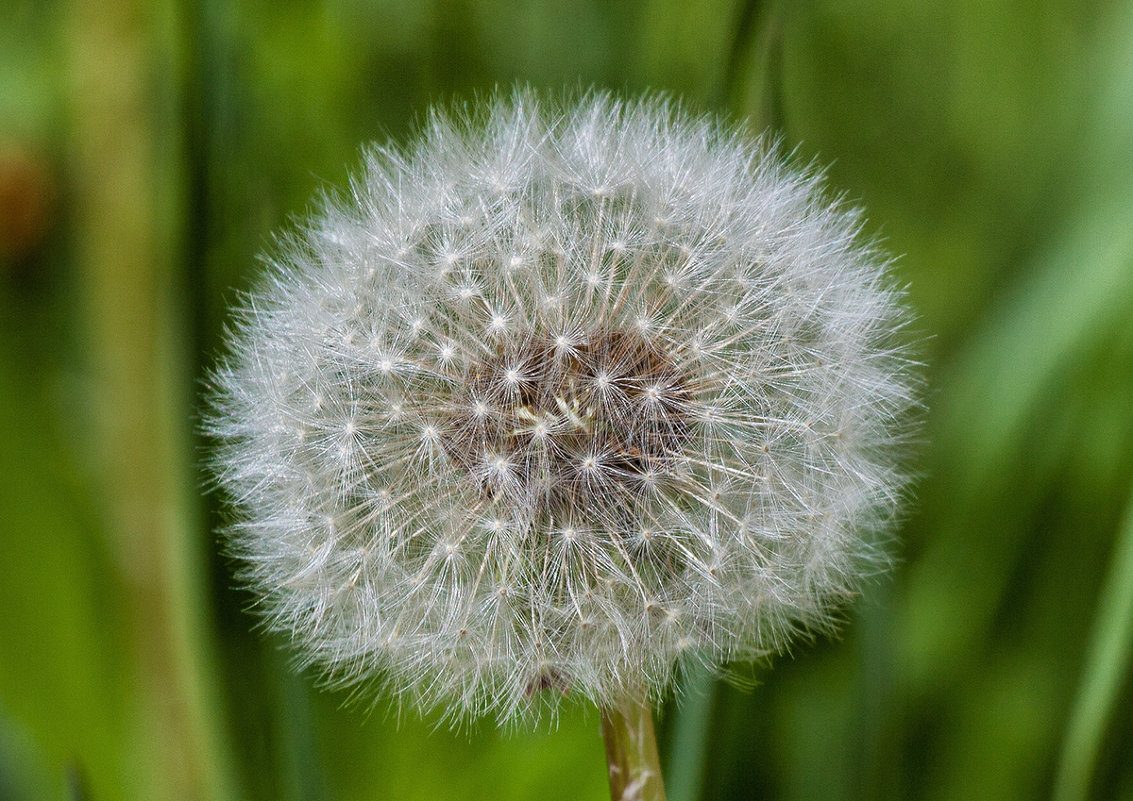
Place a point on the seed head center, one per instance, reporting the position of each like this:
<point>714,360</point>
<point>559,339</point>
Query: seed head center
<point>569,432</point>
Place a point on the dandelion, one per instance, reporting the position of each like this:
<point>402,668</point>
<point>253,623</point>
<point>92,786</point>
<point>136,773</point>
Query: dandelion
<point>558,400</point>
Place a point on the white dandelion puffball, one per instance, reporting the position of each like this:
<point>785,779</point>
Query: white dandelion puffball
<point>559,398</point>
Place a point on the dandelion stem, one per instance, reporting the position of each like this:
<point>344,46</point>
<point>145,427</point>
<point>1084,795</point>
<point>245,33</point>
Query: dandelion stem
<point>631,752</point>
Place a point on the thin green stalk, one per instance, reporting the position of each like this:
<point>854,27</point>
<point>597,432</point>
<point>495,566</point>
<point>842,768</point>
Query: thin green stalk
<point>631,752</point>
<point>750,82</point>
<point>688,743</point>
<point>126,196</point>
<point>746,19</point>
<point>1106,668</point>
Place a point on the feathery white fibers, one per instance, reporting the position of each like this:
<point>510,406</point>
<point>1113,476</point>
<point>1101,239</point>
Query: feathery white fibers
<point>559,398</point>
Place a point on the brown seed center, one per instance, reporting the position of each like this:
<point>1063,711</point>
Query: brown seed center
<point>573,425</point>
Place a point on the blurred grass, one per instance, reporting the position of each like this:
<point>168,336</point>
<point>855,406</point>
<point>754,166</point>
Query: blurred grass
<point>989,140</point>
<point>1106,667</point>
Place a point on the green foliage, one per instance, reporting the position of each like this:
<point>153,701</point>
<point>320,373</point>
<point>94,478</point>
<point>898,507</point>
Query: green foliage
<point>990,142</point>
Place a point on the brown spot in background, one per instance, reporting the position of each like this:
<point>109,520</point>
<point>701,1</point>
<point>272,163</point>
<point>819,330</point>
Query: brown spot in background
<point>26,200</point>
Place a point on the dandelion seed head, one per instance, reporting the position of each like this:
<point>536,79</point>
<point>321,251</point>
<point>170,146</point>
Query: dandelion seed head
<point>559,398</point>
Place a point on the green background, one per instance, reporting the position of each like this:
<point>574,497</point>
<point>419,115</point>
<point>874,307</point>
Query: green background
<point>148,150</point>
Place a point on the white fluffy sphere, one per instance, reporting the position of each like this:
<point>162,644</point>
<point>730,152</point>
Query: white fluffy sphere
<point>563,395</point>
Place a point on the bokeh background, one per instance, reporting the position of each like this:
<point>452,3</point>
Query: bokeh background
<point>148,150</point>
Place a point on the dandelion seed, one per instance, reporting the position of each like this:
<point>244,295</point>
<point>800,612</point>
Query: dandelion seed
<point>612,388</point>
